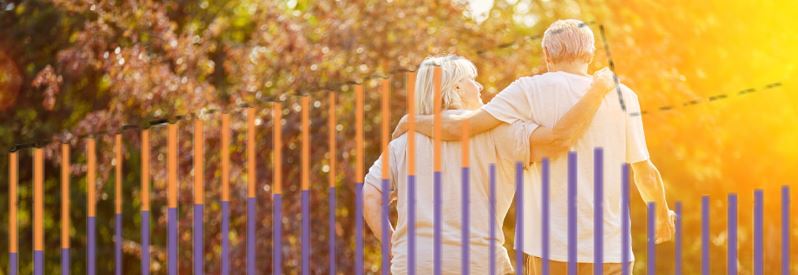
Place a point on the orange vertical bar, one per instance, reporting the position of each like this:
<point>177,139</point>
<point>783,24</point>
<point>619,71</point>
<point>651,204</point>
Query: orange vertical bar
<point>65,195</point>
<point>91,176</point>
<point>12,201</point>
<point>226,157</point>
<point>199,169</point>
<point>252,173</point>
<point>438,102</point>
<point>171,165</point>
<point>331,124</point>
<point>385,106</point>
<point>118,170</point>
<point>277,116</point>
<point>464,142</point>
<point>38,199</point>
<point>359,158</point>
<point>305,104</point>
<point>145,170</point>
<point>411,122</point>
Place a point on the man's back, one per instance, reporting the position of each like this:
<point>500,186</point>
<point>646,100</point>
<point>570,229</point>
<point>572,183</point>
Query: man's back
<point>543,100</point>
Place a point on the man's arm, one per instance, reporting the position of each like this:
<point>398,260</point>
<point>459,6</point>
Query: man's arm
<point>372,208</point>
<point>451,124</point>
<point>550,142</point>
<point>652,189</point>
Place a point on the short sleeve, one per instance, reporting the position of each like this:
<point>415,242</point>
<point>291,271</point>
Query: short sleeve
<point>512,104</point>
<point>374,176</point>
<point>636,149</point>
<point>512,141</point>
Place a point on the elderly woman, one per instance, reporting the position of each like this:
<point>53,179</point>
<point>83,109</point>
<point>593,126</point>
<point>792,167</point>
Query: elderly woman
<point>501,149</point>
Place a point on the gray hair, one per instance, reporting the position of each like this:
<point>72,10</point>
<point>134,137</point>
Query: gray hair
<point>568,40</point>
<point>453,69</point>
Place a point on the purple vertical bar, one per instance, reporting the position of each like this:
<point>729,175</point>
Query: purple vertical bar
<point>785,230</point>
<point>465,221</point>
<point>732,228</point>
<point>277,235</point>
<point>598,210</point>
<point>199,246</point>
<point>572,245</point>
<point>225,238</point>
<point>492,214</point>
<point>758,240</point>
<point>64,261</point>
<point>145,242</point>
<point>13,263</point>
<point>438,217</point>
<point>625,234</point>
<point>385,245</point>
<point>118,244</point>
<point>650,239</point>
<point>519,218</point>
<point>678,240</point>
<point>305,201</point>
<point>171,238</point>
<point>359,228</point>
<point>705,235</point>
<point>411,221</point>
<point>91,231</point>
<point>544,190</point>
<point>38,262</point>
<point>331,231</point>
<point>251,217</point>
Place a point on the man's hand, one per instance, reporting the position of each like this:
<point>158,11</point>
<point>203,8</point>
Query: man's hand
<point>603,81</point>
<point>666,227</point>
<point>401,128</point>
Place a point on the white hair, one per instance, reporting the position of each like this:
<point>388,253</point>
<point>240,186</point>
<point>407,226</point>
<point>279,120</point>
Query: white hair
<point>567,41</point>
<point>453,69</point>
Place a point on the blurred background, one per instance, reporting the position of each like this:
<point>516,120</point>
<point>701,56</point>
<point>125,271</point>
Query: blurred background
<point>73,67</point>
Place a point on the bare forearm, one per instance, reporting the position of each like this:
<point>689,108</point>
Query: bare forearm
<point>652,189</point>
<point>549,142</point>
<point>451,126</point>
<point>372,208</point>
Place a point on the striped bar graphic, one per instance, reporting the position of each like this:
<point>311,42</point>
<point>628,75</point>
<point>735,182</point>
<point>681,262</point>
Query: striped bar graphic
<point>145,202</point>
<point>785,230</point>
<point>118,204</point>
<point>331,124</point>
<point>519,218</point>
<point>13,168</point>
<point>466,196</point>
<point>625,223</point>
<point>759,202</point>
<point>277,189</point>
<point>199,197</point>
<point>436,154</point>
<point>650,239</point>
<point>678,240</point>
<point>410,79</point>
<point>385,111</point>
<point>705,262</point>
<point>572,245</point>
<point>546,219</point>
<point>252,177</point>
<point>305,200</point>
<point>598,210</point>
<point>91,202</point>
<point>226,135</point>
<point>359,158</point>
<point>492,214</point>
<point>731,257</point>
<point>171,197</point>
<point>38,211</point>
<point>65,167</point>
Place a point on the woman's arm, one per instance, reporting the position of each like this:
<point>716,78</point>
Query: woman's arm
<point>551,142</point>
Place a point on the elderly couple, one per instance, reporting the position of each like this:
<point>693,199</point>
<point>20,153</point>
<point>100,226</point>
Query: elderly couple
<point>542,116</point>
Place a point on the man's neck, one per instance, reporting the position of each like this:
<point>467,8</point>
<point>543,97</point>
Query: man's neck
<point>578,68</point>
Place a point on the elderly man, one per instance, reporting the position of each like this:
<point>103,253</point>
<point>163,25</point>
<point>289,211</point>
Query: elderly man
<point>568,48</point>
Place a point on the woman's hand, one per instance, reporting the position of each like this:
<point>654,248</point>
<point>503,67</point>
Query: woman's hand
<point>603,81</point>
<point>401,128</point>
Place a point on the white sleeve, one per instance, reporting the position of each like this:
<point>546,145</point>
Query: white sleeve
<point>374,175</point>
<point>512,104</point>
<point>636,149</point>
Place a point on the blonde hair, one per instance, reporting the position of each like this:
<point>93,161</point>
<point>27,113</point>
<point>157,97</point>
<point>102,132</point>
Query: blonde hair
<point>568,40</point>
<point>453,69</point>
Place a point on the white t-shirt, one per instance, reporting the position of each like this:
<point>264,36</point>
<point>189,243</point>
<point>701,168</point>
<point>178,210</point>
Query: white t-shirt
<point>543,100</point>
<point>504,147</point>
